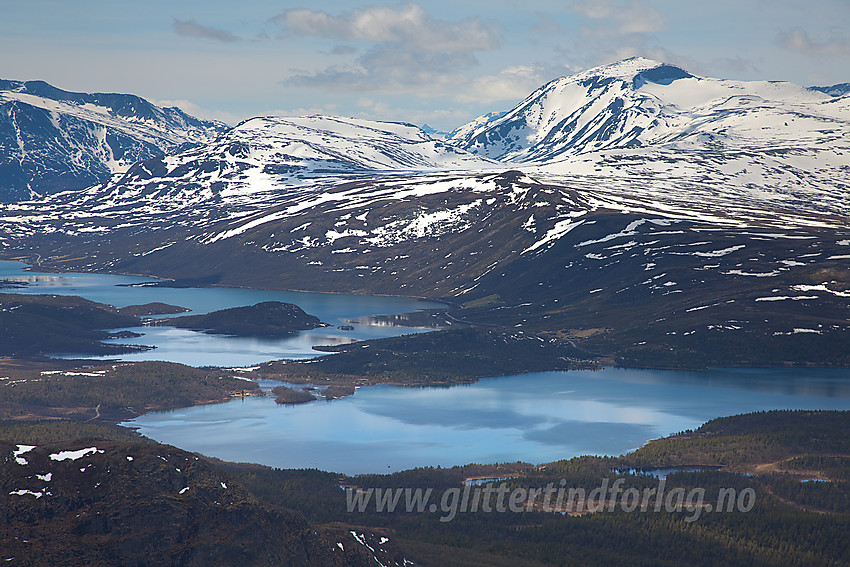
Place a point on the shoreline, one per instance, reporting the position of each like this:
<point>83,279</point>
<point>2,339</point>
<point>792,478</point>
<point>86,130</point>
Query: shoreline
<point>51,269</point>
<point>267,417</point>
<point>343,386</point>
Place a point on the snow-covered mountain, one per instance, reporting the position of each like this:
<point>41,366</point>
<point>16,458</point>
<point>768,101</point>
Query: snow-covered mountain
<point>662,211</point>
<point>635,135</point>
<point>53,140</point>
<point>639,103</point>
<point>643,120</point>
<point>461,133</point>
<point>263,159</point>
<point>434,133</point>
<point>841,89</point>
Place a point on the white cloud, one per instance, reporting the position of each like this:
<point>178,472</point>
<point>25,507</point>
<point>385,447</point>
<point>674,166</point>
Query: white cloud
<point>408,25</point>
<point>610,30</point>
<point>628,16</point>
<point>511,83</point>
<point>799,40</point>
<point>405,49</point>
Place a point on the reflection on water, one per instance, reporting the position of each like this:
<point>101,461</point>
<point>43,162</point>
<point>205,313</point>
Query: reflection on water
<point>39,279</point>
<point>533,417</point>
<point>537,417</point>
<point>399,320</point>
<point>827,383</point>
<point>201,349</point>
<point>195,348</point>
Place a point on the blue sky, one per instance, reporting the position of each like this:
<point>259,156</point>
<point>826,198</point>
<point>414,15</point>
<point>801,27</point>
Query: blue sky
<point>438,62</point>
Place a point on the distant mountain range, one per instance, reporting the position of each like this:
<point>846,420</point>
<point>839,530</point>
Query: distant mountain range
<point>53,140</point>
<point>841,89</point>
<point>640,118</point>
<point>653,216</point>
<point>643,103</point>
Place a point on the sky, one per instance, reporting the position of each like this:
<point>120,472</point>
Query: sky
<point>438,62</point>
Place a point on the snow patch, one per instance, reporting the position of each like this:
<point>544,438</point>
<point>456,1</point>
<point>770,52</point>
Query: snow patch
<point>821,287</point>
<point>23,492</point>
<point>560,229</point>
<point>22,449</point>
<point>786,297</point>
<point>719,253</point>
<point>74,455</point>
<point>770,274</point>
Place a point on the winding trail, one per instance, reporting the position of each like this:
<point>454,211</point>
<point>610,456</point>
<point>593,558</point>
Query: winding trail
<point>96,413</point>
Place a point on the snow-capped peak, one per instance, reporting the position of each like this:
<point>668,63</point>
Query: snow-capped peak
<point>631,68</point>
<point>273,153</point>
<point>639,102</point>
<point>57,140</point>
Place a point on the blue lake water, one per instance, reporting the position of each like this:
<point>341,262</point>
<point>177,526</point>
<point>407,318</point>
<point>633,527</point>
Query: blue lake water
<point>539,417</point>
<point>536,417</point>
<point>194,348</point>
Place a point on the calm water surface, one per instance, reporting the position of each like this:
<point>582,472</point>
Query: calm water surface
<point>194,348</point>
<point>536,417</point>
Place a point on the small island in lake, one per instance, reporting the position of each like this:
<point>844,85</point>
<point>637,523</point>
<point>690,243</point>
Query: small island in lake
<point>154,308</point>
<point>287,395</point>
<point>270,318</point>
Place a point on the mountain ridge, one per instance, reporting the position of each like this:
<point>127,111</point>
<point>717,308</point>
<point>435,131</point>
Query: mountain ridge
<point>639,102</point>
<point>735,226</point>
<point>52,140</point>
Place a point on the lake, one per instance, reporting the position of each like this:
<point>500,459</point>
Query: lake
<point>536,417</point>
<point>539,417</point>
<point>195,348</point>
